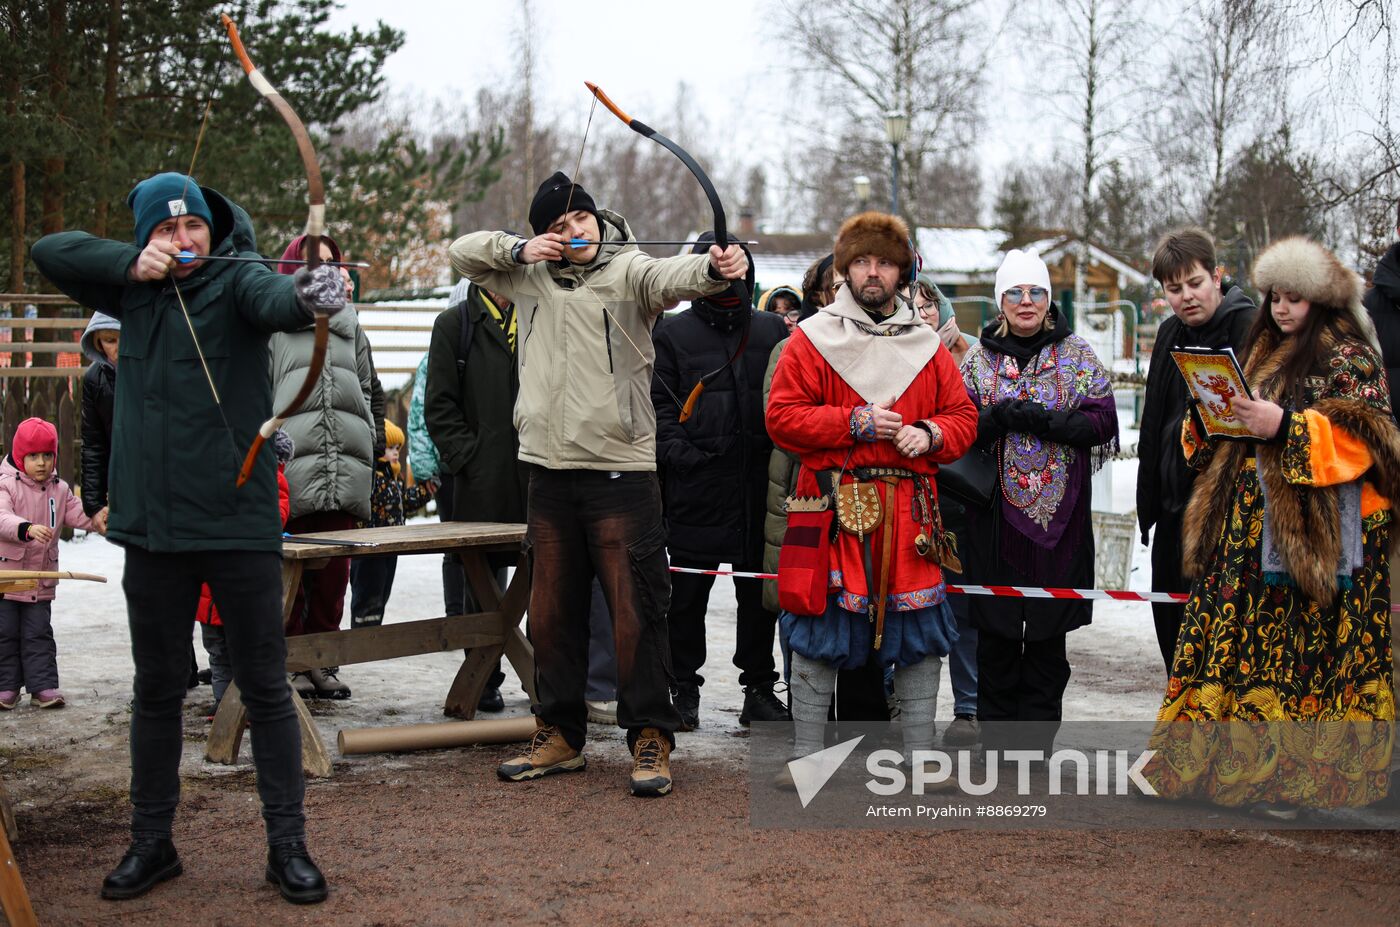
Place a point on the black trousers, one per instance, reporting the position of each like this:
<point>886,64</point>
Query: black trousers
<point>371,582</point>
<point>162,591</point>
<point>860,694</point>
<point>1020,691</point>
<point>582,524</point>
<point>1166,577</point>
<point>754,631</point>
<point>456,597</point>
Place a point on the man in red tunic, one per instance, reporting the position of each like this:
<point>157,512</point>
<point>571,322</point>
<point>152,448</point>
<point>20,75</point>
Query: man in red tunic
<point>872,402</point>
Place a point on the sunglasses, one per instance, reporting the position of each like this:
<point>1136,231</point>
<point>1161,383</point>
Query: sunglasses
<point>1038,294</point>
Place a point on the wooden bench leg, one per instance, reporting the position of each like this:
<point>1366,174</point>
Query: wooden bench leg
<point>291,580</point>
<point>226,734</point>
<point>315,758</point>
<point>13,897</point>
<point>471,680</point>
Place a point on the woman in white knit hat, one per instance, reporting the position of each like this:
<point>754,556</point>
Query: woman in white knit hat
<point>1048,420</point>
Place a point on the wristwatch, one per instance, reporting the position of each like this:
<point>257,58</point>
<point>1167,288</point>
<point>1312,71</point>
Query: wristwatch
<point>519,247</point>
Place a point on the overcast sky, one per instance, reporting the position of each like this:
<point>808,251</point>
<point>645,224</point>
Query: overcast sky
<point>636,51</point>
<point>736,60</point>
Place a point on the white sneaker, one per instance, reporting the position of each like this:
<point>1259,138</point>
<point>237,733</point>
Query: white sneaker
<point>601,712</point>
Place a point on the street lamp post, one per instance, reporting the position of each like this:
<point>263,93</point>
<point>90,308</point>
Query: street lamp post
<point>862,184</point>
<point>896,130</point>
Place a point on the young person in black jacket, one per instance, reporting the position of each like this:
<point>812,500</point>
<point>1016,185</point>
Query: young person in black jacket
<point>719,454</point>
<point>1382,303</point>
<point>1206,313</point>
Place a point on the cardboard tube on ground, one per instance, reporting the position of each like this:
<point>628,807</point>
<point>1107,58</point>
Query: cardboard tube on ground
<point>434,736</point>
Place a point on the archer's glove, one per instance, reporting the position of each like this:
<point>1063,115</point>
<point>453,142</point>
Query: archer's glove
<point>320,291</point>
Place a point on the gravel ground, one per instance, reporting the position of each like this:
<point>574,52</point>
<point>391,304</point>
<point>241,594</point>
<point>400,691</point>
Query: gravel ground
<point>435,838</point>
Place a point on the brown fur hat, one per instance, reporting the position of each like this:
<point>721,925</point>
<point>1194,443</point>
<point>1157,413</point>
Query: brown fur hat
<point>877,233</point>
<point>1298,265</point>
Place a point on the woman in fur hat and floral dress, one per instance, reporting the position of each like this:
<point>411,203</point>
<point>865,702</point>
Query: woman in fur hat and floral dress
<point>1287,633</point>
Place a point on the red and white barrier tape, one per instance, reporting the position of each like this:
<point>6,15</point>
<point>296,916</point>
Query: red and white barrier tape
<point>1010,592</point>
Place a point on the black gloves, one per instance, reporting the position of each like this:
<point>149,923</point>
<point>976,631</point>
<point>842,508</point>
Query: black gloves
<point>320,291</point>
<point>1022,415</point>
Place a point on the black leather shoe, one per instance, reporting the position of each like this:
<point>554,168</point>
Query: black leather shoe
<point>290,868</point>
<point>148,862</point>
<point>491,700</point>
<point>761,703</point>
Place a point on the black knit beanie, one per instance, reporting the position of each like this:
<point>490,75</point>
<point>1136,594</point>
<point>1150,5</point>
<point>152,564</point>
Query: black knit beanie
<point>553,197</point>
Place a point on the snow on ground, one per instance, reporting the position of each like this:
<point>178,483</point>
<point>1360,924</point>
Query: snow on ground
<point>1117,672</point>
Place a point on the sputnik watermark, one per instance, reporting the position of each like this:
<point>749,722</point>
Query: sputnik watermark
<point>980,773</point>
<point>976,772</point>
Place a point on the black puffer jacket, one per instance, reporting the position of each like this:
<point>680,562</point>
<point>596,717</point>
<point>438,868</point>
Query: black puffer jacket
<point>99,398</point>
<point>1383,303</point>
<point>1164,481</point>
<point>714,467</point>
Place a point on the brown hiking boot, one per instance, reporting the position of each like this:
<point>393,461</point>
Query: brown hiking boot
<point>651,764</point>
<point>549,753</point>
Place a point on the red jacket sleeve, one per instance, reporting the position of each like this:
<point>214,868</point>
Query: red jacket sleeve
<point>284,495</point>
<point>956,414</point>
<point>797,419</point>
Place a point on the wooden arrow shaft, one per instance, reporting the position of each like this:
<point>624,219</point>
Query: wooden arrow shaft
<point>49,574</point>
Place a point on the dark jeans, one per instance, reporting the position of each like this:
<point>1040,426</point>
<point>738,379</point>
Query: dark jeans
<point>320,602</point>
<point>1166,577</point>
<point>456,597</point>
<point>1020,691</point>
<point>371,581</point>
<point>220,667</point>
<point>28,654</point>
<point>754,630</point>
<point>581,524</point>
<point>602,656</point>
<point>162,591</point>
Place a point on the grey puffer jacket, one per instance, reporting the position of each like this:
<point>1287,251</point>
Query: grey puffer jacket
<point>333,468</point>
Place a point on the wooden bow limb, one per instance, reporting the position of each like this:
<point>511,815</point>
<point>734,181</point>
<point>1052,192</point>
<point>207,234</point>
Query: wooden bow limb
<point>313,375</point>
<point>315,227</point>
<point>20,575</point>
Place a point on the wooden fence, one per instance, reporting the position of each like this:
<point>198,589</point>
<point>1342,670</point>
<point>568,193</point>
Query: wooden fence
<point>29,389</point>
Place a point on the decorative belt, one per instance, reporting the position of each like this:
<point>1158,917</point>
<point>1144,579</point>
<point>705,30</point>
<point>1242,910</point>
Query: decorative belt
<point>874,473</point>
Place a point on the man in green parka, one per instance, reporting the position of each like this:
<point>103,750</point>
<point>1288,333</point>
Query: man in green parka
<point>194,334</point>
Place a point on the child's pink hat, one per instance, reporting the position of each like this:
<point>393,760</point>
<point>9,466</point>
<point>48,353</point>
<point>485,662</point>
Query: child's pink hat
<point>33,436</point>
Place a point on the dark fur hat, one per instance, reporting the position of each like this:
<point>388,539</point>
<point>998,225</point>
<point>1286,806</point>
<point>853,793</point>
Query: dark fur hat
<point>876,233</point>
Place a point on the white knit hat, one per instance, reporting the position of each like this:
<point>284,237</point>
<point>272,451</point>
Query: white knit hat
<point>1020,267</point>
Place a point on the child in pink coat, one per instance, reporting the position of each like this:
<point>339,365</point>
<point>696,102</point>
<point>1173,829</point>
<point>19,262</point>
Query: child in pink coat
<point>35,505</point>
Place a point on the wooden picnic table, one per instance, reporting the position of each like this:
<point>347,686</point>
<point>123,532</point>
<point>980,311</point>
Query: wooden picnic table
<point>488,634</point>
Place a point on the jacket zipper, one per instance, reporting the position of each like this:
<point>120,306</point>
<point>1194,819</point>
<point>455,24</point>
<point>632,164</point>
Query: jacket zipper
<point>607,339</point>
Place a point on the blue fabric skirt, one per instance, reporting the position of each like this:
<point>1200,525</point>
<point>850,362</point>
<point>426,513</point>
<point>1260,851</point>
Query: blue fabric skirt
<point>844,639</point>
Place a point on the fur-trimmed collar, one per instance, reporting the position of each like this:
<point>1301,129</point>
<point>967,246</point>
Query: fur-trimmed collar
<point>1305,520</point>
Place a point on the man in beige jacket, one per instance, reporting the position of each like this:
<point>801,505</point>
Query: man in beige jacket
<point>588,430</point>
